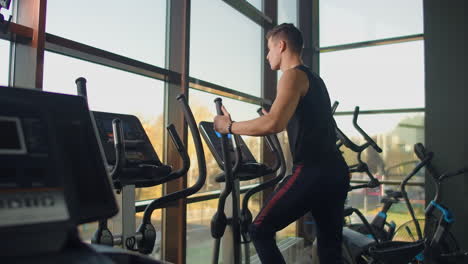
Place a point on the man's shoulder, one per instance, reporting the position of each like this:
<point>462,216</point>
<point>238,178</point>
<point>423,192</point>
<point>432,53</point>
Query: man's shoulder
<point>295,74</point>
<point>298,78</point>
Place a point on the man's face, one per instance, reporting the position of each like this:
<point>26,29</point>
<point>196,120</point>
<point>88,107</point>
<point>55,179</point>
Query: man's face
<point>274,54</point>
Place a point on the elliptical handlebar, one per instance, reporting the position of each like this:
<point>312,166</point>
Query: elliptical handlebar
<point>146,228</point>
<point>363,133</point>
<point>334,107</point>
<point>160,202</point>
<point>421,153</point>
<point>219,220</point>
<point>451,174</point>
<point>280,163</point>
<point>271,146</point>
<point>119,147</point>
<point>117,130</point>
<point>182,153</point>
<point>361,166</point>
<point>427,159</point>
<point>81,87</point>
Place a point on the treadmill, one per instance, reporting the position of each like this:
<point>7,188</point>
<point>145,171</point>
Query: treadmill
<point>54,177</point>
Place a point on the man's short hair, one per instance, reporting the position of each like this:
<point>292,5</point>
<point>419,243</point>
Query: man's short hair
<point>289,33</point>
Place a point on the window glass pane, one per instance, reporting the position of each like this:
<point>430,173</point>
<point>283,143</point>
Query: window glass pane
<point>112,90</point>
<point>137,31</point>
<point>4,62</point>
<point>355,21</point>
<point>256,3</point>
<point>287,11</point>
<point>203,107</point>
<point>199,240</point>
<point>225,47</point>
<point>396,134</point>
<point>383,77</point>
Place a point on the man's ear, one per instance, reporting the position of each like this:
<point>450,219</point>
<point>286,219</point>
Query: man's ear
<point>282,45</point>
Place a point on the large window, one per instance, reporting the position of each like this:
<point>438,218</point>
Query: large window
<point>136,30</point>
<point>388,78</point>
<point>396,134</point>
<point>111,90</point>
<point>383,77</point>
<point>356,21</point>
<point>225,47</point>
<point>4,61</point>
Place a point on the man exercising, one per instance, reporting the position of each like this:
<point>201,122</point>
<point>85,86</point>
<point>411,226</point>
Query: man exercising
<point>320,181</point>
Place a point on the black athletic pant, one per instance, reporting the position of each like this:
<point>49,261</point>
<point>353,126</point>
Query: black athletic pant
<point>321,189</point>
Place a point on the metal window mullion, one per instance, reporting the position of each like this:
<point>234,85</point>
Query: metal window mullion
<point>27,59</point>
<point>308,14</point>
<point>226,92</point>
<point>17,33</point>
<point>269,82</point>
<point>84,52</point>
<point>177,59</point>
<point>88,53</point>
<point>383,111</point>
<point>265,20</point>
<point>202,197</point>
<point>371,43</point>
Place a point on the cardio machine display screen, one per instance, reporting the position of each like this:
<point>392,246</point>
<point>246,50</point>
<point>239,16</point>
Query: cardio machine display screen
<point>12,139</point>
<point>131,132</point>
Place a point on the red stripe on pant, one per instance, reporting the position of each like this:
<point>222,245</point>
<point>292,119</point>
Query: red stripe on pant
<point>278,195</point>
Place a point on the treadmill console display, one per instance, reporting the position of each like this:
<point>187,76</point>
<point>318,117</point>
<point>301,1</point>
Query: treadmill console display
<point>51,167</point>
<point>213,140</point>
<point>138,148</point>
<point>12,139</point>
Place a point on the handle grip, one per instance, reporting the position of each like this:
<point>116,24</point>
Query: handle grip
<point>420,151</point>
<point>81,87</point>
<point>175,138</point>
<point>334,107</point>
<point>260,112</point>
<point>119,147</point>
<point>219,103</point>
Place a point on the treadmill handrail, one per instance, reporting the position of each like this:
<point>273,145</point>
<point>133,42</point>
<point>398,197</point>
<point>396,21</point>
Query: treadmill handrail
<point>117,130</point>
<point>164,200</point>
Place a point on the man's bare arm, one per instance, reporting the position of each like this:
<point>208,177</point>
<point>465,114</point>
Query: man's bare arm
<point>292,86</point>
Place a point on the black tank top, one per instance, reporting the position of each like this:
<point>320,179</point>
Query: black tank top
<point>311,130</point>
